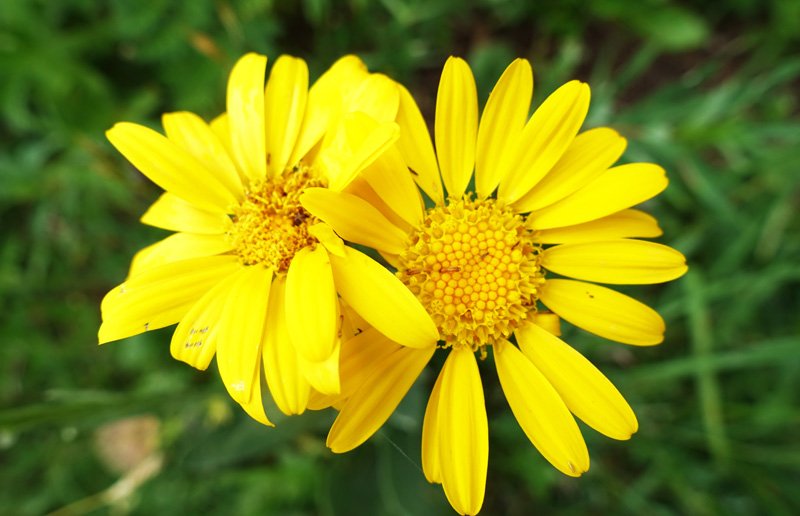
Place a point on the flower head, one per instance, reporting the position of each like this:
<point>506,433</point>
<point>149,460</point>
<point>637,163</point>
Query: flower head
<point>251,276</point>
<point>482,265</point>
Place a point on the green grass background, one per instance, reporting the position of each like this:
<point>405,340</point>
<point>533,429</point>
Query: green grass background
<point>708,90</point>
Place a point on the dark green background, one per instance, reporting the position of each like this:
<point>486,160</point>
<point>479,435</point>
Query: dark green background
<point>708,90</point>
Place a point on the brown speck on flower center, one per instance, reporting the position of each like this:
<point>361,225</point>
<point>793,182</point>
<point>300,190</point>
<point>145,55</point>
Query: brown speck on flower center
<point>475,267</point>
<point>270,226</point>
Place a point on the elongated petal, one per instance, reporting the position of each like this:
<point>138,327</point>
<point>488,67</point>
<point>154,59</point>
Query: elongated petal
<point>390,179</point>
<point>170,167</point>
<point>540,411</point>
<point>546,136</point>
<point>621,262</point>
<point>623,224</point>
<point>245,108</point>
<point>285,105</point>
<point>285,380</point>
<point>354,144</point>
<point>371,405</point>
<point>431,464</point>
<point>311,304</point>
<point>614,190</point>
<point>456,126</point>
<point>323,375</point>
<point>177,247</point>
<point>604,312</point>
<point>584,389</point>
<point>376,96</point>
<point>416,147</point>
<point>589,155</point>
<point>173,213</point>
<point>195,338</point>
<point>464,432</point>
<point>501,123</point>
<point>240,332</point>
<point>354,219</point>
<point>325,100</point>
<point>160,296</point>
<point>360,353</point>
<point>382,300</point>
<point>192,134</point>
<point>255,406</point>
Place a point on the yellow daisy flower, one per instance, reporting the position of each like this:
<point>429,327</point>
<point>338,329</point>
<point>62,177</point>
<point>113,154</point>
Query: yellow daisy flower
<point>482,265</point>
<point>250,276</point>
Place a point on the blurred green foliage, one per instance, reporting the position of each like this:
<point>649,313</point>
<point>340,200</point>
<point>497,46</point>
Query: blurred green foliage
<point>708,90</point>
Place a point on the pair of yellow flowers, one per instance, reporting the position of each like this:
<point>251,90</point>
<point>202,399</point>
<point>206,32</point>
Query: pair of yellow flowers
<point>268,199</point>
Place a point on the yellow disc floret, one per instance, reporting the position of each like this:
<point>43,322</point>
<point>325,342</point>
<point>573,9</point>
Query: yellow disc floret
<point>270,226</point>
<point>475,267</point>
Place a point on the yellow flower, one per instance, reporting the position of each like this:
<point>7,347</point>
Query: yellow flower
<point>250,275</point>
<point>479,265</point>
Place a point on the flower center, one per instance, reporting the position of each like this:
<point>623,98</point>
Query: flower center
<point>270,226</point>
<point>475,267</point>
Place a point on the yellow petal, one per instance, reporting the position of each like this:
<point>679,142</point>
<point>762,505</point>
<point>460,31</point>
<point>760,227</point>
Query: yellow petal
<point>456,126</point>
<point>195,338</point>
<point>376,96</point>
<point>285,105</point>
<point>540,411</point>
<point>604,312</point>
<point>245,108</point>
<point>325,99</point>
<point>621,262</point>
<point>623,224</point>
<point>173,213</point>
<point>353,144</point>
<point>323,375</point>
<point>371,405</point>
<point>285,379</point>
<point>196,137</point>
<point>431,466</point>
<point>546,136</point>
<point>177,247</point>
<point>255,407</point>
<point>389,178</point>
<point>584,389</point>
<point>311,304</point>
<point>502,121</point>
<point>360,353</point>
<point>240,330</point>
<point>327,237</point>
<point>358,356</point>
<point>361,188</point>
<point>416,147</point>
<point>170,167</point>
<point>354,219</point>
<point>463,431</point>
<point>160,296</point>
<point>548,321</point>
<point>589,155</point>
<point>382,300</point>
<point>614,190</point>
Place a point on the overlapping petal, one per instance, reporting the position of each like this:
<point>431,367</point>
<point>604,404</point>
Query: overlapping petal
<point>540,411</point>
<point>245,109</point>
<point>501,124</point>
<point>582,387</point>
<point>370,406</point>
<point>387,305</point>
<point>312,308</point>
